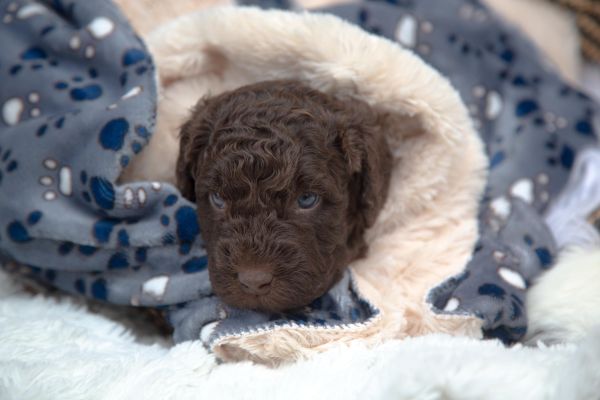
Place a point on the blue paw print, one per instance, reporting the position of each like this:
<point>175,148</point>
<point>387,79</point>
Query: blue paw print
<point>17,230</point>
<point>112,134</point>
<point>79,90</point>
<point>7,164</point>
<point>135,59</point>
<point>187,225</point>
<point>35,58</point>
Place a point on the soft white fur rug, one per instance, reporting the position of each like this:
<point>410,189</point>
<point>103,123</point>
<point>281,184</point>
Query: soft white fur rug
<point>53,349</point>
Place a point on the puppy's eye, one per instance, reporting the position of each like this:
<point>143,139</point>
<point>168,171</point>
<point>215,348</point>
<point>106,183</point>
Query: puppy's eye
<point>308,200</point>
<point>216,200</point>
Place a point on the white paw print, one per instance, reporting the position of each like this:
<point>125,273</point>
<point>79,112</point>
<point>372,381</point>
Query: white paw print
<point>60,180</point>
<point>14,108</point>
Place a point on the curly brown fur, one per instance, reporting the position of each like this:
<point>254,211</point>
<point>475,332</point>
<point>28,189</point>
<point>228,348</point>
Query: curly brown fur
<point>256,150</point>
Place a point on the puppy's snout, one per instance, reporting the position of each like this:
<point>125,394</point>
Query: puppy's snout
<point>256,281</point>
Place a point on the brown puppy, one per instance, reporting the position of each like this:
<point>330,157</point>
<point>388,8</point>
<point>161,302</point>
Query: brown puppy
<point>286,180</point>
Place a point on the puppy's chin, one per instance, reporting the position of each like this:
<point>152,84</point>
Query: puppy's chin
<point>265,303</point>
<point>259,303</point>
<point>283,298</point>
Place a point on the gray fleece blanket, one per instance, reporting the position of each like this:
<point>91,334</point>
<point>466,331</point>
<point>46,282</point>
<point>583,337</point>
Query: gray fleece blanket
<point>78,101</point>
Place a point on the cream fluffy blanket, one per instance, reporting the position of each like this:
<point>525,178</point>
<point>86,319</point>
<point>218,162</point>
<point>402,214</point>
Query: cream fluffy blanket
<point>427,228</point>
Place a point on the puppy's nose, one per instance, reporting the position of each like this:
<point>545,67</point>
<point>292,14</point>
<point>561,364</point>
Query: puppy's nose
<point>255,281</point>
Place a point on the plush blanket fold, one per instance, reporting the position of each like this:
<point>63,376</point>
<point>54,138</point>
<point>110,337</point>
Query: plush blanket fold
<point>436,181</point>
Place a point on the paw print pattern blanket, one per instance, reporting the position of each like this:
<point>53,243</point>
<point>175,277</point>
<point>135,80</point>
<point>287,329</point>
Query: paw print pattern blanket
<point>78,101</point>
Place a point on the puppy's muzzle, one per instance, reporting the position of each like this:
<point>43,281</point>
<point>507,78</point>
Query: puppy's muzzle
<point>256,281</point>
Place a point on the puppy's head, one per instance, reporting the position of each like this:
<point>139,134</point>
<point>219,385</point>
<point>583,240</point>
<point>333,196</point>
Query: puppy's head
<point>286,180</point>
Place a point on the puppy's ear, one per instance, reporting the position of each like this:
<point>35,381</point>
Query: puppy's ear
<point>194,137</point>
<point>369,161</point>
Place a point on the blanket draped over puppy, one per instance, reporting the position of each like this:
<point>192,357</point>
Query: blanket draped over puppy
<point>78,101</point>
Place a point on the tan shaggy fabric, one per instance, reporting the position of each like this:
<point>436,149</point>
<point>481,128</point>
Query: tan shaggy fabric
<point>146,15</point>
<point>587,13</point>
<point>553,29</point>
<point>550,27</point>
